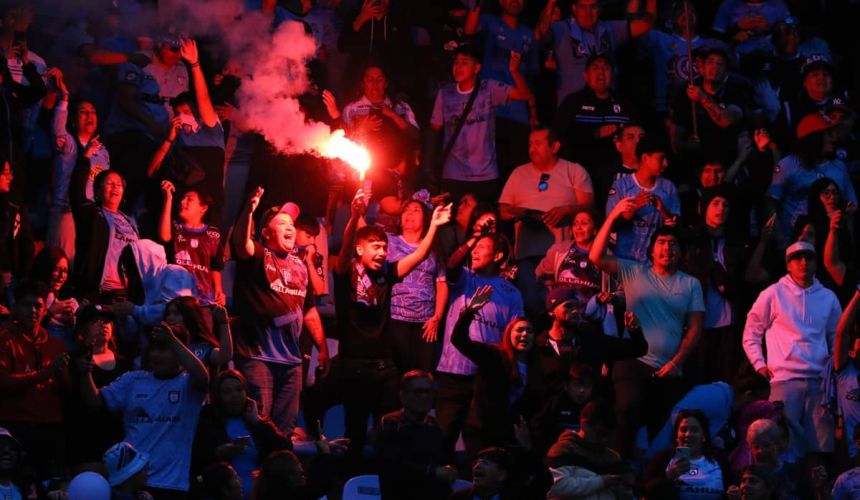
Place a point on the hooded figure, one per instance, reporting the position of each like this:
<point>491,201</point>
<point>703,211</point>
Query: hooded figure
<point>152,282</point>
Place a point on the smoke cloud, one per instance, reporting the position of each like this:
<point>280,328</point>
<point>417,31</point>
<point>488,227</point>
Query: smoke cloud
<point>273,64</point>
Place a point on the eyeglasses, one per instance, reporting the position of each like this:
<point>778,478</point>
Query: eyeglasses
<point>543,183</point>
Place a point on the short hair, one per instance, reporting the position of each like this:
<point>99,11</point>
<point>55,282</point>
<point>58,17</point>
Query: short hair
<point>580,371</point>
<point>624,126</point>
<point>500,245</point>
<point>598,412</point>
<point>551,136</point>
<point>649,145</point>
<point>763,427</point>
<point>764,473</point>
<point>307,223</point>
<point>205,198</point>
<point>498,456</point>
<point>470,50</point>
<point>31,288</point>
<point>371,233</point>
<point>664,231</point>
<point>183,98</point>
<point>411,375</point>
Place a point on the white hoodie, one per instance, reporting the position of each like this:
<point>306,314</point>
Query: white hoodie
<point>162,282</point>
<point>798,325</point>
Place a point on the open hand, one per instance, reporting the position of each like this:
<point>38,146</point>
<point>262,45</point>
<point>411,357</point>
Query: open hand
<point>480,299</point>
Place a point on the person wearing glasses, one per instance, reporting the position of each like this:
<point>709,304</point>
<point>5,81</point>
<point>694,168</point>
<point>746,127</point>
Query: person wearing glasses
<point>542,197</point>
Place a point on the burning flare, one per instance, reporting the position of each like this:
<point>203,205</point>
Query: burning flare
<point>344,149</point>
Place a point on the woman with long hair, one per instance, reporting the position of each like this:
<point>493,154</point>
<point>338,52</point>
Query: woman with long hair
<point>186,312</point>
<point>231,430</point>
<point>689,470</point>
<point>509,382</point>
<point>51,267</point>
<point>419,301</point>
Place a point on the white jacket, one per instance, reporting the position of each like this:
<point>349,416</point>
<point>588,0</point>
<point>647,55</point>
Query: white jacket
<point>798,325</point>
<point>571,482</point>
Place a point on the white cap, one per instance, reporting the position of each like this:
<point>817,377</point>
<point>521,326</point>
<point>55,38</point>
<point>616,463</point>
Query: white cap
<point>798,247</point>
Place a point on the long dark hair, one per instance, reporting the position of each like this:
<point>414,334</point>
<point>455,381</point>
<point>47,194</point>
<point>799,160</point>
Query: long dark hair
<point>218,380</point>
<point>707,446</point>
<point>192,315</point>
<point>509,352</point>
<point>44,263</point>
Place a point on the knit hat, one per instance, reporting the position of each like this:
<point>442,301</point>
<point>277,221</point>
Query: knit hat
<point>123,461</point>
<point>814,62</point>
<point>719,191</point>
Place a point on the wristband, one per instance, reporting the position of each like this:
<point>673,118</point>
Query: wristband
<point>195,64</point>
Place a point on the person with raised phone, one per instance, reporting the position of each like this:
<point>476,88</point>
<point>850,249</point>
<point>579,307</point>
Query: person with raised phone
<point>160,405</point>
<point>363,279</point>
<point>274,301</point>
<point>670,308</point>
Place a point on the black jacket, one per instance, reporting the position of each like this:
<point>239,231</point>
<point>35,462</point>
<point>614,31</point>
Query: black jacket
<point>408,452</point>
<point>17,247</point>
<point>14,98</point>
<point>212,433</point>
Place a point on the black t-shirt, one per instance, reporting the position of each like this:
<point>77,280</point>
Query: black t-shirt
<point>716,141</point>
<point>363,303</point>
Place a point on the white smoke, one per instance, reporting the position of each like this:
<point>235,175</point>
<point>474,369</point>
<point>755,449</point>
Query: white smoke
<point>273,65</point>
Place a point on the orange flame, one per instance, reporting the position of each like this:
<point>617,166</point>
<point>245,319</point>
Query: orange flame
<point>344,149</point>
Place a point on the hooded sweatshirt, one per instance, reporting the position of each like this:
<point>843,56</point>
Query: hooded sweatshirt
<point>798,325</point>
<point>162,282</point>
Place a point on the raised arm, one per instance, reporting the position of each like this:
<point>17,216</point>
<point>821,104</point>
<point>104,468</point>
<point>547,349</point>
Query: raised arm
<point>347,247</point>
<point>475,351</point>
<point>221,322</point>
<point>521,91</point>
<point>158,157</point>
<point>188,51</point>
<point>165,224</point>
<point>833,263</point>
<point>195,368</point>
<point>542,30</point>
<point>844,337</point>
<point>473,24</point>
<point>642,23</point>
<point>597,255</point>
<point>242,239</point>
<point>441,215</point>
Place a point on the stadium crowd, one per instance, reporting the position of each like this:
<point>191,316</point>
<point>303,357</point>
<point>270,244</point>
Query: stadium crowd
<point>605,250</point>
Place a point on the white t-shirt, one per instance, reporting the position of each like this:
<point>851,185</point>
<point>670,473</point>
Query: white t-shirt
<point>122,232</point>
<point>10,492</point>
<point>704,480</point>
<point>159,418</point>
<point>522,190</point>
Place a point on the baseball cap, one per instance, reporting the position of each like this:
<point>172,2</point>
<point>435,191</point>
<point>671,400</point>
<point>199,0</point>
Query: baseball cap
<point>602,56</point>
<point>88,486</point>
<point>814,122</point>
<point>561,295</point>
<point>814,62</point>
<point>123,461</point>
<point>288,208</point>
<point>798,248</point>
<point>4,433</point>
